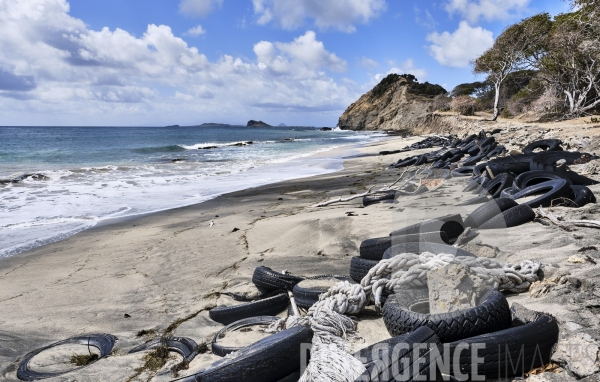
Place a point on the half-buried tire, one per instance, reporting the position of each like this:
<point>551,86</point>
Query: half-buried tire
<point>268,279</point>
<point>488,210</point>
<point>185,347</point>
<point>222,351</point>
<point>387,197</point>
<point>267,360</point>
<point>373,249</point>
<point>512,217</point>
<point>266,307</point>
<point>407,311</point>
<point>551,191</point>
<point>582,196</point>
<point>307,292</point>
<point>418,248</point>
<point>359,268</point>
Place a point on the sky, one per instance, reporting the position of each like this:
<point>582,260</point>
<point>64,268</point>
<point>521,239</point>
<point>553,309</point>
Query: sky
<point>187,62</point>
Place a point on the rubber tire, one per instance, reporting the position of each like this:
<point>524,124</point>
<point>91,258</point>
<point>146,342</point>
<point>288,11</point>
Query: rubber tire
<point>359,267</point>
<point>463,171</point>
<point>185,347</point>
<point>545,144</point>
<point>392,369</point>
<point>267,360</point>
<point>476,200</point>
<point>491,314</point>
<point>555,189</point>
<point>406,162</point>
<point>306,297</point>
<point>374,199</point>
<point>373,249</point>
<point>418,248</point>
<point>512,217</point>
<point>534,341</point>
<point>473,160</point>
<point>268,279</point>
<point>582,196</point>
<point>266,307</point>
<point>222,351</point>
<point>508,193</point>
<point>495,186</point>
<point>451,224</point>
<point>546,161</point>
<point>530,178</point>
<point>488,210</point>
<point>101,341</point>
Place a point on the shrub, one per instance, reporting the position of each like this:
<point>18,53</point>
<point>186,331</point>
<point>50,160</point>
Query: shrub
<point>464,105</point>
<point>441,102</point>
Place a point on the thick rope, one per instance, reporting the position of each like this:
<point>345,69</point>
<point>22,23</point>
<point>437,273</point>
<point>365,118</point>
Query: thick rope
<point>330,362</point>
<point>410,270</point>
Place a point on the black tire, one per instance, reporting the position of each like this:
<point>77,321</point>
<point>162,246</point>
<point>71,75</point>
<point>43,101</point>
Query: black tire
<point>399,363</point>
<point>544,144</point>
<point>552,189</point>
<point>359,268</point>
<point>479,169</point>
<point>267,360</point>
<point>508,192</point>
<point>530,178</point>
<point>582,196</point>
<point>101,341</point>
<point>455,158</point>
<point>418,248</point>
<point>476,200</point>
<point>221,350</point>
<point>473,184</point>
<point>515,168</point>
<point>421,160</point>
<point>373,249</point>
<point>388,196</point>
<point>495,186</point>
<point>463,171</point>
<point>266,307</point>
<point>407,162</point>
<point>451,225</point>
<point>487,211</point>
<point>473,160</point>
<point>512,217</point>
<point>305,297</point>
<point>186,347</point>
<point>546,161</point>
<point>510,352</point>
<point>491,314</point>
<point>268,279</point>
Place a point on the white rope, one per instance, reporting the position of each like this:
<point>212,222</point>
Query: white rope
<point>410,270</point>
<point>330,362</point>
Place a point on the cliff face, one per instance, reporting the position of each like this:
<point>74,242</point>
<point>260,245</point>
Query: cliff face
<point>396,103</point>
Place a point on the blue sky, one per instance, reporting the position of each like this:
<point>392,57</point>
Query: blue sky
<point>133,62</point>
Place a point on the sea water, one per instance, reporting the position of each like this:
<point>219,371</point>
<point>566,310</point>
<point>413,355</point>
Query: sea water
<point>72,178</point>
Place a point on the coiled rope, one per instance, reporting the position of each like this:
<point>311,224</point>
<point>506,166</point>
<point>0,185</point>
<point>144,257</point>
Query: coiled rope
<point>330,360</point>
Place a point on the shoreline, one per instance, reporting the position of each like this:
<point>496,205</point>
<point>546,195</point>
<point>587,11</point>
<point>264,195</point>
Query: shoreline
<point>334,158</point>
<point>164,267</point>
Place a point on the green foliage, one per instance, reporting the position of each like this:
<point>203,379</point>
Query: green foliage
<point>425,89</point>
<point>472,89</point>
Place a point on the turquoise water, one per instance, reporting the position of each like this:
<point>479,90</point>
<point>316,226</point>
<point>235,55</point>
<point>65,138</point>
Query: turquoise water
<point>84,175</point>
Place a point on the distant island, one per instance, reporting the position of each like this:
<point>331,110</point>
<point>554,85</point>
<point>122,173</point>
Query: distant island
<point>253,123</point>
<point>173,126</point>
<point>282,125</point>
<point>215,124</point>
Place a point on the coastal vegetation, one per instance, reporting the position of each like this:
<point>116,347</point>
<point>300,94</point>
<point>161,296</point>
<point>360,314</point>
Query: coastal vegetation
<point>542,64</point>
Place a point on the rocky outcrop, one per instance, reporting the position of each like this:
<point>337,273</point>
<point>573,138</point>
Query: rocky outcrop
<point>253,123</point>
<point>398,102</point>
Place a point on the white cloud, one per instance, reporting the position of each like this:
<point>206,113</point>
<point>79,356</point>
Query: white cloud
<point>367,63</point>
<point>195,31</point>
<point>458,48</point>
<point>490,10</point>
<point>54,70</point>
<point>424,19</point>
<point>340,14</point>
<point>198,8</point>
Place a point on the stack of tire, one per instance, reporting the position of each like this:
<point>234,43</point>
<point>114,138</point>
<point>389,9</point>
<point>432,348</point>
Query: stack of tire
<point>532,174</point>
<point>476,147</point>
<point>433,141</point>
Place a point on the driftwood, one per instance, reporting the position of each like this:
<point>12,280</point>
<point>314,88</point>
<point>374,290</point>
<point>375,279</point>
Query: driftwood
<point>559,222</point>
<point>370,191</point>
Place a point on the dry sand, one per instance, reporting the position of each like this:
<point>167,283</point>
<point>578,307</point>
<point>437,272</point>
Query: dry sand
<point>166,270</point>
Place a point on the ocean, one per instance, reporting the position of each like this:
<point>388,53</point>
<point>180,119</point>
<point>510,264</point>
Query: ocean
<point>72,178</point>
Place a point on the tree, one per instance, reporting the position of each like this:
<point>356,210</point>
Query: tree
<point>517,48</point>
<point>572,61</point>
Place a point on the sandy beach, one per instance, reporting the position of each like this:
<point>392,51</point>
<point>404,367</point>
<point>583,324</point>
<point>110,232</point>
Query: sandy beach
<point>163,272</point>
